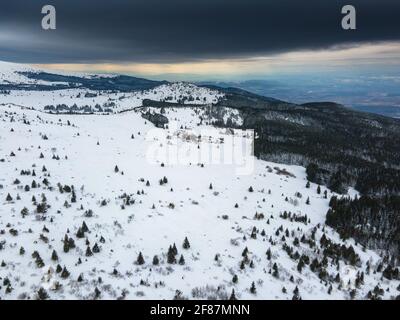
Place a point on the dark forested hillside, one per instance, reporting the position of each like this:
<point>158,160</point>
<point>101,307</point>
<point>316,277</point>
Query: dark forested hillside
<point>374,222</point>
<point>340,148</point>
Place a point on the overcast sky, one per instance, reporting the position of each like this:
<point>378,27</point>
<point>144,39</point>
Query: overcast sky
<point>174,36</point>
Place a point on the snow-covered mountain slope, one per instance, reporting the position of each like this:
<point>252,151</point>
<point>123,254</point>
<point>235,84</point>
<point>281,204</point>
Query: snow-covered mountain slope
<point>21,88</point>
<point>14,73</point>
<point>91,209</point>
<point>86,101</point>
<point>10,73</point>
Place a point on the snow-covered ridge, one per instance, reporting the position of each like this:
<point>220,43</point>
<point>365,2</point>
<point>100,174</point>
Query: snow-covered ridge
<point>64,101</point>
<point>187,93</point>
<point>10,73</point>
<point>82,100</point>
<point>13,73</point>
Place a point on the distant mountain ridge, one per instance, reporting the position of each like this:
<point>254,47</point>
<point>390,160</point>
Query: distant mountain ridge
<point>379,97</point>
<point>119,82</point>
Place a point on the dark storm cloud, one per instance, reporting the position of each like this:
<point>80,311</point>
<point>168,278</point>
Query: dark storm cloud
<point>185,30</point>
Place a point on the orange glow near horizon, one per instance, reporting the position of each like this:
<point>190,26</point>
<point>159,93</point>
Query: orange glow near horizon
<point>387,53</point>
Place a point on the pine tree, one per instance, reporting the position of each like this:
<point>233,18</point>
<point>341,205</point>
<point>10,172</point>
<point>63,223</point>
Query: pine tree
<point>6,281</point>
<point>174,248</point>
<point>156,261</point>
<point>9,198</point>
<point>251,189</point>
<point>54,256</point>
<point>71,243</point>
<point>268,254</point>
<point>296,295</point>
<point>171,256</point>
<point>140,259</point>
<point>96,248</point>
<point>24,212</point>
<point>73,196</point>
<point>319,190</point>
<point>181,260</point>
<point>9,289</point>
<point>235,278</point>
<point>66,244</point>
<point>42,294</point>
<point>275,273</point>
<point>186,244</point>
<point>58,268</point>
<point>330,289</point>
<point>84,227</point>
<point>80,234</point>
<point>46,182</point>
<point>65,273</point>
<point>253,289</point>
<point>97,293</point>
<point>89,252</point>
<point>300,265</point>
<point>232,297</point>
<point>116,169</point>
<point>308,200</point>
<point>254,233</point>
<point>308,185</point>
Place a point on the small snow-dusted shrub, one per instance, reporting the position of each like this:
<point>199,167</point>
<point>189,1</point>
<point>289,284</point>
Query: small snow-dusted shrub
<point>88,213</point>
<point>210,293</point>
<point>139,294</point>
